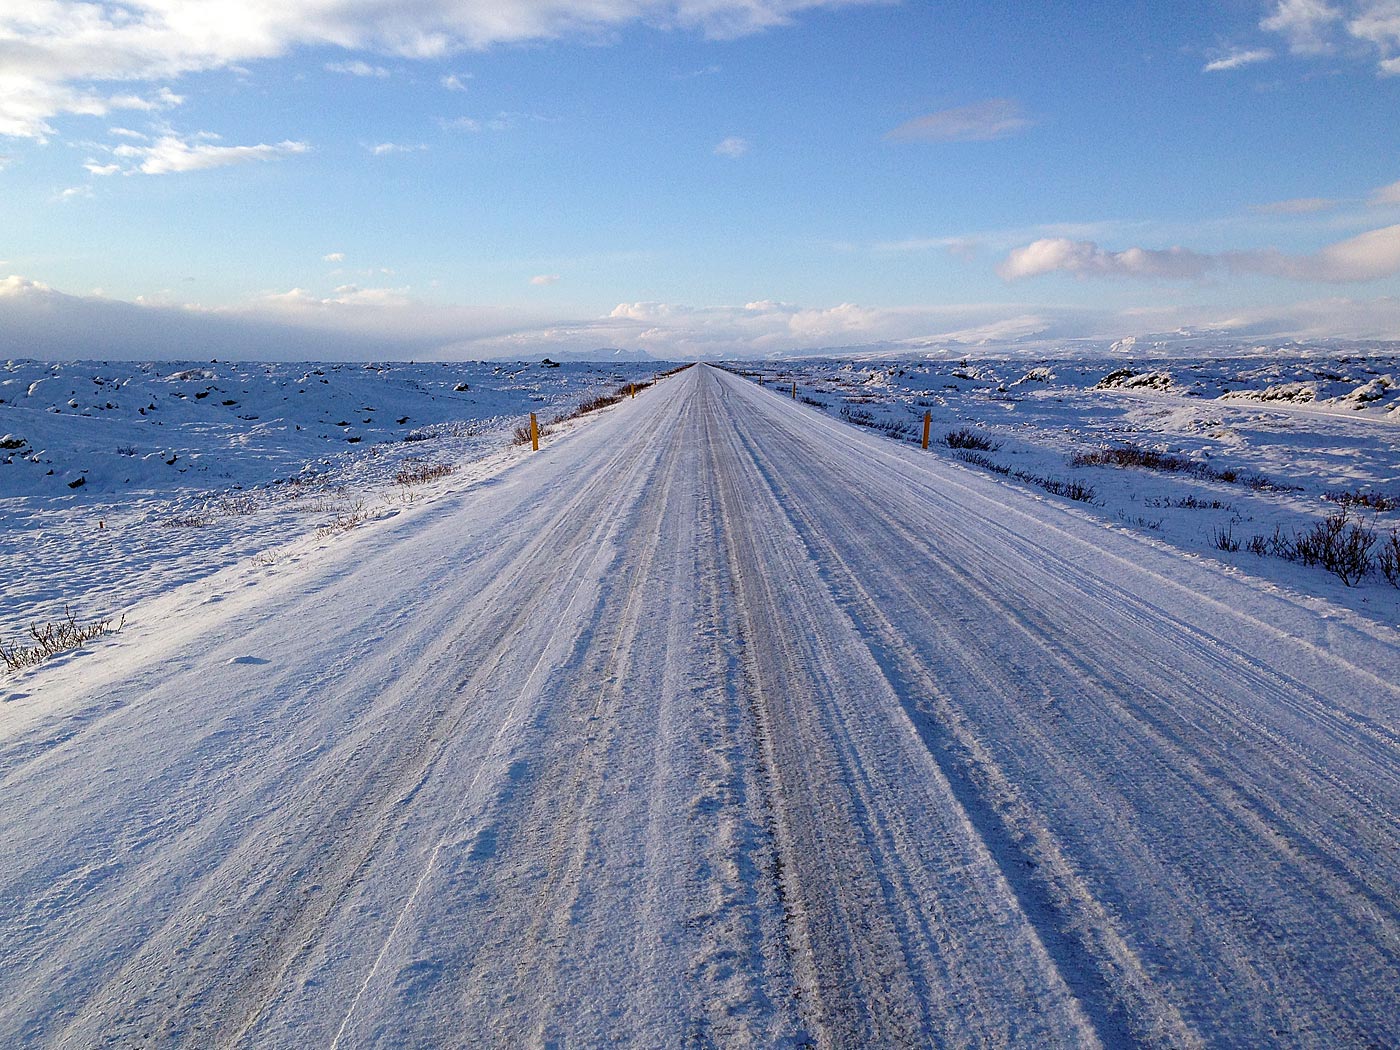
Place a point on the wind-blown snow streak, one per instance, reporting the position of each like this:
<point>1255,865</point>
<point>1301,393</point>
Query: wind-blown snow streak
<point>717,722</point>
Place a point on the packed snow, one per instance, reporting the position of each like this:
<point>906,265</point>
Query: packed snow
<point>722,721</point>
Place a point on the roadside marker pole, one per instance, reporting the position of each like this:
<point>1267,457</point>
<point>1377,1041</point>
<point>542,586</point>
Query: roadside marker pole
<point>794,391</point>
<point>632,389</point>
<point>928,418</point>
<point>534,433</point>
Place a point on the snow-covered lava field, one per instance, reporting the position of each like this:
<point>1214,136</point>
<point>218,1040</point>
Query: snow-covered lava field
<point>119,480</point>
<point>1204,455</point>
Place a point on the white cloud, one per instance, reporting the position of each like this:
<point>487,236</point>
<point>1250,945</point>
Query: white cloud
<point>502,121</point>
<point>1297,206</point>
<point>995,118</point>
<point>545,279</point>
<point>127,133</point>
<point>345,295</point>
<point>1367,257</point>
<point>1237,58</point>
<point>171,155</point>
<point>333,257</point>
<point>734,146</point>
<point>162,99</point>
<point>101,169</point>
<point>1386,194</point>
<point>1305,23</point>
<point>357,68</point>
<point>1368,28</point>
<point>15,286</point>
<point>384,148</point>
<point>455,81</point>
<point>72,193</point>
<point>1378,23</point>
<point>55,50</point>
<point>1087,259</point>
<point>1382,196</point>
<point>28,102</point>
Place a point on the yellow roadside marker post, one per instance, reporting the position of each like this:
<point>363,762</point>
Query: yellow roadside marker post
<point>928,418</point>
<point>794,391</point>
<point>534,433</point>
<point>632,389</point>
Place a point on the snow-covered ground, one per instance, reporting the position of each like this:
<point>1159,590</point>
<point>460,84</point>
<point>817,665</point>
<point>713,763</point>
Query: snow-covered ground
<point>119,480</point>
<point>1275,445</point>
<point>717,722</point>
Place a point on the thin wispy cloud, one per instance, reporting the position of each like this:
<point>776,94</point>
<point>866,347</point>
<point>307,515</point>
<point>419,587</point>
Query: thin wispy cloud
<point>1238,59</point>
<point>1381,196</point>
<point>1296,206</point>
<point>357,68</point>
<point>545,279</point>
<point>734,146</point>
<point>455,81</point>
<point>503,121</point>
<point>333,257</point>
<point>172,155</point>
<point>164,98</point>
<point>383,149</point>
<point>995,118</point>
<point>1386,195</point>
<point>1367,257</point>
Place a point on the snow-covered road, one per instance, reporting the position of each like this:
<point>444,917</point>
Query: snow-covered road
<point>715,723</point>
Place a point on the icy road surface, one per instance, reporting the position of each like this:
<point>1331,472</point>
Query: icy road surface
<point>715,723</point>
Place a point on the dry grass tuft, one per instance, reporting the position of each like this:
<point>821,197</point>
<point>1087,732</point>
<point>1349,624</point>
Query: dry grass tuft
<point>50,639</point>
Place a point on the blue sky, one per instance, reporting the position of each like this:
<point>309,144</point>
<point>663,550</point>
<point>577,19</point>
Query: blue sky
<point>692,177</point>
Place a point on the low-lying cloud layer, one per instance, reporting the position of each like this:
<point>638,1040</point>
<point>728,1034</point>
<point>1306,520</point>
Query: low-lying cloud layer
<point>355,323</point>
<point>1367,257</point>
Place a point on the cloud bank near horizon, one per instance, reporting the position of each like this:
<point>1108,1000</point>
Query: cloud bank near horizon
<point>1368,256</point>
<point>37,321</point>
